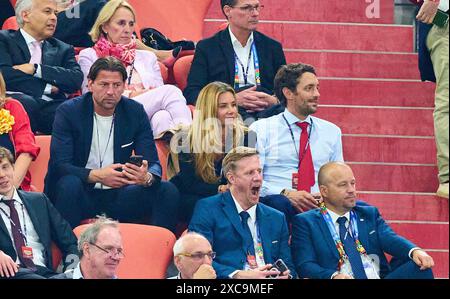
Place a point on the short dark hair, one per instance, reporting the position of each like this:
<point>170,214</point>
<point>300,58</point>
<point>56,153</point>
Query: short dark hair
<point>6,153</point>
<point>289,76</point>
<point>227,2</point>
<point>107,63</point>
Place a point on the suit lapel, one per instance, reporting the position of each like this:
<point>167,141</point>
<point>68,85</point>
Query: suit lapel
<point>362,230</point>
<point>265,231</point>
<point>87,124</point>
<point>48,53</point>
<point>32,213</point>
<point>3,226</point>
<point>21,43</point>
<point>262,53</point>
<point>119,130</point>
<point>326,234</point>
<point>230,211</point>
<point>228,52</point>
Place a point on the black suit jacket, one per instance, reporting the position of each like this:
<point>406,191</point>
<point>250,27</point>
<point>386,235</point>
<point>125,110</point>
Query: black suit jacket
<point>59,67</point>
<point>214,61</point>
<point>49,226</point>
<point>72,139</point>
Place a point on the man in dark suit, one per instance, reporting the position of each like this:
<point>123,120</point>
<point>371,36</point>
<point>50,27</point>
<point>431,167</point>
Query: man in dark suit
<point>40,71</point>
<point>89,169</point>
<point>28,225</point>
<point>6,11</point>
<point>247,236</point>
<point>239,56</point>
<point>342,240</point>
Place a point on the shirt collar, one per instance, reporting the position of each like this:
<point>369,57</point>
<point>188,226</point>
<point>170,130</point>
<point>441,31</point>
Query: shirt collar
<point>77,272</point>
<point>235,41</point>
<point>251,211</point>
<point>28,38</point>
<point>292,119</point>
<point>335,216</point>
<point>15,197</point>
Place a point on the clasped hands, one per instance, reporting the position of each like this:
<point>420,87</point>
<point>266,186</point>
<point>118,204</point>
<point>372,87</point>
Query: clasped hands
<point>28,69</point>
<point>428,11</point>
<point>303,201</point>
<point>255,101</point>
<point>119,175</point>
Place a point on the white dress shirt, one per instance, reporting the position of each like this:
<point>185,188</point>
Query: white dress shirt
<point>443,5</point>
<point>32,238</point>
<point>30,40</point>
<point>243,53</point>
<point>278,153</point>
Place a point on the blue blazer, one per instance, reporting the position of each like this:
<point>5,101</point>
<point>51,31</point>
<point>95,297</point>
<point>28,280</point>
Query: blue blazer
<point>72,138</point>
<point>314,251</point>
<point>217,219</point>
<point>59,67</point>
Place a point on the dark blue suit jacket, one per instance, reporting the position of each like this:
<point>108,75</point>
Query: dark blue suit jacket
<point>59,67</point>
<point>72,138</point>
<point>217,219</point>
<point>49,226</point>
<point>314,251</point>
<point>214,61</point>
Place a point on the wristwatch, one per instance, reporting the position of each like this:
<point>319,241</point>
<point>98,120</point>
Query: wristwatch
<point>284,192</point>
<point>35,68</point>
<point>149,182</point>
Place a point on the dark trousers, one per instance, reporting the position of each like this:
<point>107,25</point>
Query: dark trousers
<point>40,273</point>
<point>155,205</point>
<point>409,270</point>
<point>40,112</point>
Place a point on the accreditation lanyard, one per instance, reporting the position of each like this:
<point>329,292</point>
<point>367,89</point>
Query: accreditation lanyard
<point>24,232</point>
<point>295,143</point>
<point>238,63</point>
<point>252,261</point>
<point>337,240</point>
<point>100,156</point>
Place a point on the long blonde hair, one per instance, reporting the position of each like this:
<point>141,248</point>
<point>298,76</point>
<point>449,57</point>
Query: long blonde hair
<point>106,14</point>
<point>3,98</point>
<point>205,133</point>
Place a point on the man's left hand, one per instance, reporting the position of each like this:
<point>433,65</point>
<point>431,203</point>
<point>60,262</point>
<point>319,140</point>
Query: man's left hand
<point>27,68</point>
<point>269,99</point>
<point>422,259</point>
<point>428,11</point>
<point>136,175</point>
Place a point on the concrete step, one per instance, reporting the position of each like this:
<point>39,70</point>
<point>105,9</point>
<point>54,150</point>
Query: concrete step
<point>423,234</point>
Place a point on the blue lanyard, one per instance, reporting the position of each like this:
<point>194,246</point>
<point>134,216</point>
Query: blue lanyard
<point>238,63</point>
<point>352,225</point>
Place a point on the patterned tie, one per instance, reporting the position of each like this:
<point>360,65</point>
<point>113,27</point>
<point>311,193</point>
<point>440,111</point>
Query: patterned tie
<point>350,248</point>
<point>306,176</point>
<point>248,239</point>
<point>17,236</point>
<point>36,56</point>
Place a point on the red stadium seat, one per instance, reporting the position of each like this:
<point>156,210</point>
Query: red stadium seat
<point>13,2</point>
<point>181,70</point>
<point>38,168</point>
<point>10,23</point>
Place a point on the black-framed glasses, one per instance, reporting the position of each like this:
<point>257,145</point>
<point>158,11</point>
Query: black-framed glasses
<point>250,8</point>
<point>199,255</point>
<point>111,251</point>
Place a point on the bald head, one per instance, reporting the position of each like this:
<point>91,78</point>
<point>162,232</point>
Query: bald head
<point>338,187</point>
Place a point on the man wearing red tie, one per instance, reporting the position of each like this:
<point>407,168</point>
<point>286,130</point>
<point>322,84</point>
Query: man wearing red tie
<point>293,145</point>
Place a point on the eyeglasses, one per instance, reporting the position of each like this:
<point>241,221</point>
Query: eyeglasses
<point>200,255</point>
<point>111,251</point>
<point>250,8</point>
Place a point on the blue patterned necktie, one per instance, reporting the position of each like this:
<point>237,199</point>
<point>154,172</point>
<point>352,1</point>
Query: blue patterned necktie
<point>354,256</point>
<point>248,239</point>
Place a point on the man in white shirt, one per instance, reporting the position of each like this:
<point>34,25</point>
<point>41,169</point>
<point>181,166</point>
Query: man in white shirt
<point>193,256</point>
<point>39,70</point>
<point>101,251</point>
<point>279,140</point>
<point>28,225</point>
<point>247,236</point>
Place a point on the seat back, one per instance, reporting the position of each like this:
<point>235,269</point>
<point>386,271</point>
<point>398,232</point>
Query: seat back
<point>177,19</point>
<point>10,23</point>
<point>181,70</point>
<point>13,2</point>
<point>38,168</point>
<point>163,154</point>
<point>148,250</point>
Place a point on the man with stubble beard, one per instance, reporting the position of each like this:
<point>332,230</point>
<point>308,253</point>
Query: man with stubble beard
<point>293,145</point>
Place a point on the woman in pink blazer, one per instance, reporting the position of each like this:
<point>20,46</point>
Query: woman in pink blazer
<point>113,36</point>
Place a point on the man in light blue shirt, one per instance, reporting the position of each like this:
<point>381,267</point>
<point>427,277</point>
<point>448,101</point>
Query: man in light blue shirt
<point>278,140</point>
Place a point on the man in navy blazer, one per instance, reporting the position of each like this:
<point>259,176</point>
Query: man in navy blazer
<point>40,224</point>
<point>217,58</point>
<point>39,70</point>
<point>89,169</point>
<point>316,235</point>
<point>244,248</point>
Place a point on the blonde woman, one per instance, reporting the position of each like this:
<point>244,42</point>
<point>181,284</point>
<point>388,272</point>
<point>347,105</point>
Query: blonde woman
<point>216,129</point>
<point>112,33</point>
<point>17,137</point>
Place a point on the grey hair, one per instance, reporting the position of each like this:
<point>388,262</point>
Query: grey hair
<point>90,234</point>
<point>21,6</point>
<point>178,247</point>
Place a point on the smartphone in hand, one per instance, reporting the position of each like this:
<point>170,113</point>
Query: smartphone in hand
<point>136,160</point>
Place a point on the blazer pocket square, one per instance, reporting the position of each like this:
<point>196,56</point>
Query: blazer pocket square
<point>126,145</point>
<point>372,232</point>
<point>274,242</point>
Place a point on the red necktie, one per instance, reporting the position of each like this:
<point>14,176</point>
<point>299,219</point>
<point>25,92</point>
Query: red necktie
<point>17,235</point>
<point>306,177</point>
